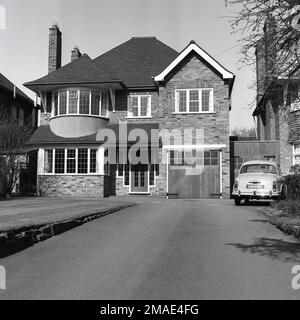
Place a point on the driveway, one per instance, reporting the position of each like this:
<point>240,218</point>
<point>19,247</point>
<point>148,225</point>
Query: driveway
<point>160,249</point>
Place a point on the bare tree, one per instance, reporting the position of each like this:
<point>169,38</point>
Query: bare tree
<point>244,132</point>
<point>280,17</point>
<point>13,137</point>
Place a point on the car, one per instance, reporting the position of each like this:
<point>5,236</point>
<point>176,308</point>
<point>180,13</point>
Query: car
<point>258,180</point>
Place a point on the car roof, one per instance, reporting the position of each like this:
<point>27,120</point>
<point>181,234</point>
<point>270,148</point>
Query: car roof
<point>259,162</point>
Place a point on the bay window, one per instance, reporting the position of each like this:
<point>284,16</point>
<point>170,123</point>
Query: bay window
<point>70,161</point>
<point>194,101</point>
<point>139,106</point>
<point>84,102</point>
<point>81,102</point>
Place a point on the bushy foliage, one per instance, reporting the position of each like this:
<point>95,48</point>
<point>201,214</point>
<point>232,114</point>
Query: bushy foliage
<point>293,186</point>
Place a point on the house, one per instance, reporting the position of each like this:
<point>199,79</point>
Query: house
<point>16,104</point>
<point>16,107</point>
<point>277,112</point>
<point>141,93</point>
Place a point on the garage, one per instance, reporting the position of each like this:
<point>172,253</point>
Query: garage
<point>194,174</point>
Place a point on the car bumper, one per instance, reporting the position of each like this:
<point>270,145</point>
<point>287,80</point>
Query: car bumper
<point>256,194</point>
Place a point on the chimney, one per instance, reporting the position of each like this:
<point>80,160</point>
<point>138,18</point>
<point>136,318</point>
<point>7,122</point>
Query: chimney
<point>75,53</point>
<point>55,44</point>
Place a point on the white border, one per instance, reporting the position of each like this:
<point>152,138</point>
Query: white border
<point>193,47</point>
<point>139,106</point>
<point>187,90</point>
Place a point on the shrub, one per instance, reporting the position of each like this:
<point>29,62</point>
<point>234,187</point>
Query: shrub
<point>293,186</point>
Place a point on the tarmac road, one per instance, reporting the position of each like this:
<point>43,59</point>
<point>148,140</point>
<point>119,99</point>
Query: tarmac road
<point>160,249</point>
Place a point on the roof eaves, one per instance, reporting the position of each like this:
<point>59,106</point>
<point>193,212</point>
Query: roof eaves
<point>192,46</point>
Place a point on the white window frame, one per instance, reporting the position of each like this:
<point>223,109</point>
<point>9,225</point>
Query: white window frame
<point>211,107</point>
<point>295,153</point>
<point>139,96</point>
<point>65,163</point>
<point>78,103</point>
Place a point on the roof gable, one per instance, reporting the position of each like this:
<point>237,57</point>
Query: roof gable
<point>203,54</point>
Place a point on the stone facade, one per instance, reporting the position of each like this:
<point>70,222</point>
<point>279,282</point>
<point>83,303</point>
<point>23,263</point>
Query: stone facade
<point>73,185</point>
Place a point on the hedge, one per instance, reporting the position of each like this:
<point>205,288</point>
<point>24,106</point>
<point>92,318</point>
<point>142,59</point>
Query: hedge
<point>292,183</point>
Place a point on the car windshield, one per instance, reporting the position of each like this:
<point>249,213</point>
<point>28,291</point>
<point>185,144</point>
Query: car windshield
<point>258,168</point>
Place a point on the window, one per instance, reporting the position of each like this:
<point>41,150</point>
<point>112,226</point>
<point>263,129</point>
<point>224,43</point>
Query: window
<point>84,102</point>
<point>82,161</point>
<point>182,101</point>
<point>80,101</point>
<point>104,104</point>
<point>55,103</point>
<point>152,175</point>
<point>194,100</point>
<point>70,161</point>
<point>73,101</point>
<point>63,102</point>
<point>258,168</point>
<point>126,175</point>
<point>211,158</point>
<point>93,161</point>
<point>139,106</point>
<point>296,154</point>
<point>48,161</point>
<point>59,161</point>
<point>95,103</point>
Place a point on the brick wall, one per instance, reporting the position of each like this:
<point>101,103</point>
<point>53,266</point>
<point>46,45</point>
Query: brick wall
<point>294,123</point>
<point>73,185</point>
<point>122,106</point>
<point>195,73</point>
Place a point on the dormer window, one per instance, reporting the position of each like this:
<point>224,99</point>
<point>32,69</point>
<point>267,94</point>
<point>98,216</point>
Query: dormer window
<point>80,102</point>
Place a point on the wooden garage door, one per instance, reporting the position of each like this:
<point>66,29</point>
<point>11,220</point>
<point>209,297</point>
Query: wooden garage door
<point>197,180</point>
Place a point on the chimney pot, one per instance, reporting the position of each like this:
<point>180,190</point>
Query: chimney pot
<point>75,54</point>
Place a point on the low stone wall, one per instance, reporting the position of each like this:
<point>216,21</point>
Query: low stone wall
<point>72,185</point>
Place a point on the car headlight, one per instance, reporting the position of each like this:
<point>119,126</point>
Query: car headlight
<point>236,185</point>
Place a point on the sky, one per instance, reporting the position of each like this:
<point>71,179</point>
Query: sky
<point>97,26</point>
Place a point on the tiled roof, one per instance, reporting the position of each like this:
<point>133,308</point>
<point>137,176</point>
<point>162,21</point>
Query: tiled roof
<point>81,70</point>
<point>137,60</point>
<point>134,63</point>
<point>43,135</point>
<point>8,85</point>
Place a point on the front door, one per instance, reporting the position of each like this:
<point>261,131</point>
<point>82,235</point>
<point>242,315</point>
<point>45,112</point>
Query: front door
<point>139,178</point>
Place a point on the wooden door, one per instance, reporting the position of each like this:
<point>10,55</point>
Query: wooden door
<point>196,181</point>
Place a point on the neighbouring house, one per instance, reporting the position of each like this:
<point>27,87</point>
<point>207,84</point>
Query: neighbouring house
<point>17,107</point>
<point>137,88</point>
<point>277,112</point>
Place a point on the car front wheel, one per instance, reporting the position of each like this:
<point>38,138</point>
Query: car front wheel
<point>237,201</point>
